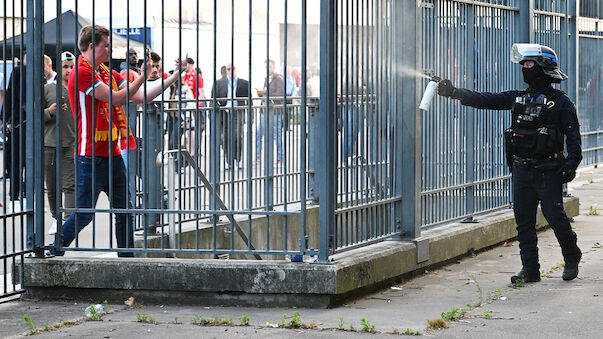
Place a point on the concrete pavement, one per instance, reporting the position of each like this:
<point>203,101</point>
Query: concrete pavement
<point>552,308</point>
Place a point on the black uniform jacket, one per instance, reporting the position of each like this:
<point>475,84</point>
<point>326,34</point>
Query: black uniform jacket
<point>564,114</point>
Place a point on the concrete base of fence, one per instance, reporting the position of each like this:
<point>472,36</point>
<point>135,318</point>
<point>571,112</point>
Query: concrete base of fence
<point>263,283</point>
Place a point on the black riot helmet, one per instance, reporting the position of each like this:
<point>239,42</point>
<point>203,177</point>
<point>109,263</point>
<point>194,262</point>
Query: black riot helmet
<point>543,56</point>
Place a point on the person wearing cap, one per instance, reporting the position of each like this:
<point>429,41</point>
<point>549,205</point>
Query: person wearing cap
<point>55,139</point>
<point>544,122</point>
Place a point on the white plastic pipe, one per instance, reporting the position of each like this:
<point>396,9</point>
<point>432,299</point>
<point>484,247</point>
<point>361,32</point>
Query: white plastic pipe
<point>430,91</point>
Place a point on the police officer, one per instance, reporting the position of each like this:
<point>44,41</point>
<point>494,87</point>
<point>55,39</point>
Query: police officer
<point>542,117</point>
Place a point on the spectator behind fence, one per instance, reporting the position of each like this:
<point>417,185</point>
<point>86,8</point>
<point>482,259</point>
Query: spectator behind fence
<point>194,80</point>
<point>129,69</point>
<point>13,111</point>
<point>102,140</point>
<point>65,142</point>
<point>49,74</point>
<point>232,132</point>
<point>274,87</point>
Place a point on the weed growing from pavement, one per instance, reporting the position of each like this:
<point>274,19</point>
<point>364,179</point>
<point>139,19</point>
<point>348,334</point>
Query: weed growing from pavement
<point>176,320</point>
<point>453,315</point>
<point>436,324</point>
<point>245,320</point>
<point>95,316</point>
<point>144,318</point>
<point>202,321</point>
<point>487,314</point>
<point>30,324</point>
<point>408,331</point>
<point>496,295</point>
<point>520,282</point>
<point>352,328</point>
<point>367,326</point>
<point>593,210</point>
<point>479,290</point>
<point>295,322</point>
<point>341,323</point>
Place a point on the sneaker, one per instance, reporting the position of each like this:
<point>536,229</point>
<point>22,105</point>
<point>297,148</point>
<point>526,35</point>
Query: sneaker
<point>53,227</point>
<point>527,275</point>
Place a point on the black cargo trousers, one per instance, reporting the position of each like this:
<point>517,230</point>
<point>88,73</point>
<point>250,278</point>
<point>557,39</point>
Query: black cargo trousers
<point>530,187</point>
<point>533,186</point>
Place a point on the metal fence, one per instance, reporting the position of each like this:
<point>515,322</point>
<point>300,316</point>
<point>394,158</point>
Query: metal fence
<point>219,176</point>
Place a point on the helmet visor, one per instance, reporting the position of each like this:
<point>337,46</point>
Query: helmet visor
<point>520,51</point>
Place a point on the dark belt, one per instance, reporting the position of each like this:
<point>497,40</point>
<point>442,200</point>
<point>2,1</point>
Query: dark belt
<point>535,163</point>
<point>523,162</point>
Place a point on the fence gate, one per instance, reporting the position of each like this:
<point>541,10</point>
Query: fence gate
<point>19,144</point>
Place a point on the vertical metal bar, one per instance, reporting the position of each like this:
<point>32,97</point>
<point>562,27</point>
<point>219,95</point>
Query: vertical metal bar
<point>326,166</point>
<point>283,130</point>
<point>573,43</point>
<point>110,176</point>
<point>31,92</point>
<point>469,116</point>
<point>214,141</point>
<point>58,93</point>
<point>408,35</point>
<point>526,21</point>
<point>303,115</point>
<point>249,130</point>
<point>268,134</point>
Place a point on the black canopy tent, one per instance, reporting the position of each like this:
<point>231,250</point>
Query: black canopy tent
<point>69,34</point>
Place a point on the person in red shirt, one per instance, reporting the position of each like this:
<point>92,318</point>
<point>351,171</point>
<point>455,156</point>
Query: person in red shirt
<point>194,80</point>
<point>102,131</point>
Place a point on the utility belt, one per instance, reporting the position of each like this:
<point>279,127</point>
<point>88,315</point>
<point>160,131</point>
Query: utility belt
<point>552,162</point>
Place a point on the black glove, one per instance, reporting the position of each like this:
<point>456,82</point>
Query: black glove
<point>567,174</point>
<point>445,88</point>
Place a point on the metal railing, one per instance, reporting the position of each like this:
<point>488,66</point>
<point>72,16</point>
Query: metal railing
<point>351,140</point>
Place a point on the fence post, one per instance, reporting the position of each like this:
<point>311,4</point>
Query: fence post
<point>573,42</point>
<point>526,21</point>
<point>34,156</point>
<point>407,33</point>
<point>470,119</point>
<point>326,157</point>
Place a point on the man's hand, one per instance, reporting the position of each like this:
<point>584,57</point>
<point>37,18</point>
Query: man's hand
<point>261,92</point>
<point>149,68</point>
<point>52,109</point>
<point>567,174</point>
<point>445,88</point>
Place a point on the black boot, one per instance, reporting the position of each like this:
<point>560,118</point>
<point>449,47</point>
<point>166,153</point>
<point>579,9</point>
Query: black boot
<point>570,271</point>
<point>527,275</point>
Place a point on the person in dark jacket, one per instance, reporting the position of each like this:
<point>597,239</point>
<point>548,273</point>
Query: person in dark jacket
<point>544,120</point>
<point>232,132</point>
<point>14,119</point>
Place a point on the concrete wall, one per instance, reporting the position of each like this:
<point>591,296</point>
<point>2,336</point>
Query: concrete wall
<point>259,229</point>
<point>265,282</point>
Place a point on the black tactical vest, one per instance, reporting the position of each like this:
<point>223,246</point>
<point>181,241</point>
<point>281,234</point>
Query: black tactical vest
<point>534,136</point>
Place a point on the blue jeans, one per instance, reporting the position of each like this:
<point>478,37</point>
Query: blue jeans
<point>133,156</point>
<point>277,135</point>
<point>86,198</point>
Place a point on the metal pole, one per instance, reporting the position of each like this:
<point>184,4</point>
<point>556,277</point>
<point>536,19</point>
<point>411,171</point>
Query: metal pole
<point>326,169</point>
<point>408,56</point>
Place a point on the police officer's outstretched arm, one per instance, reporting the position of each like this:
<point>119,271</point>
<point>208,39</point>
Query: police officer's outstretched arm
<point>483,100</point>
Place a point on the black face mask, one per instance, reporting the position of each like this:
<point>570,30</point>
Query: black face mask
<point>530,75</point>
